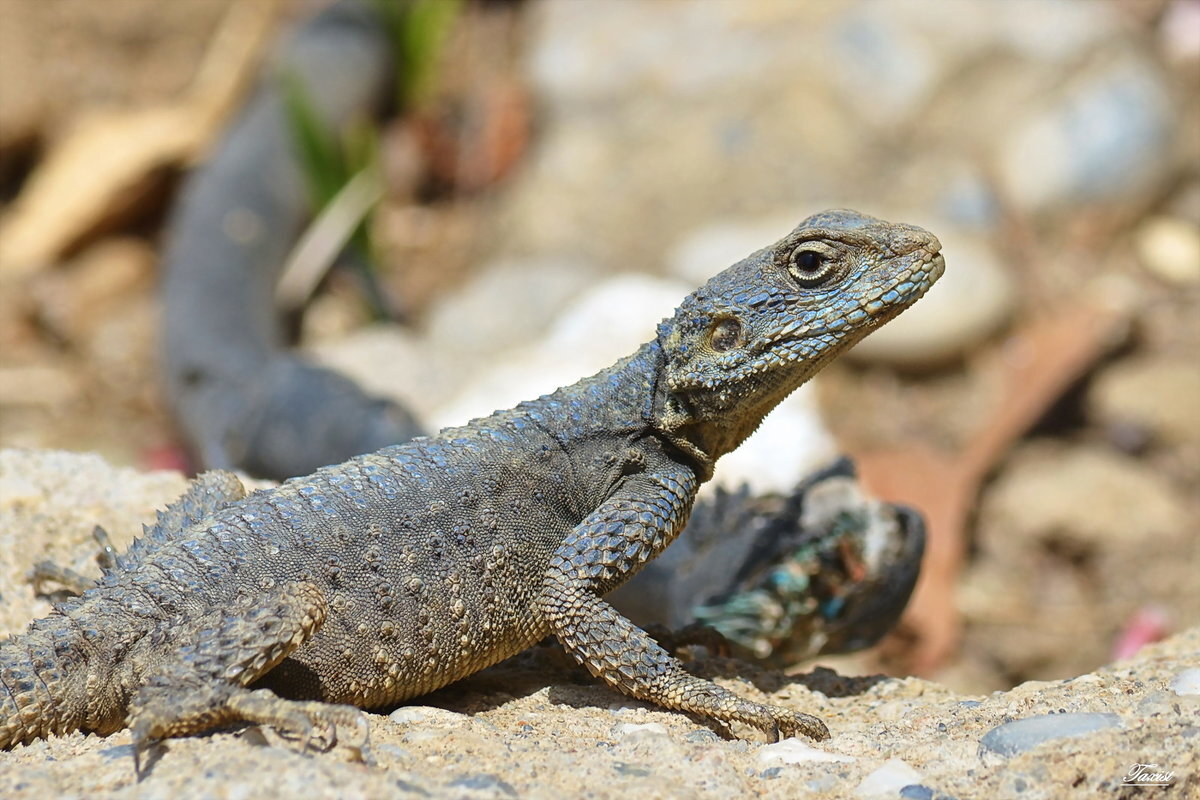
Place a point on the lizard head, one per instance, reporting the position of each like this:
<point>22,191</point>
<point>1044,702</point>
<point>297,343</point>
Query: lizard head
<point>755,332</point>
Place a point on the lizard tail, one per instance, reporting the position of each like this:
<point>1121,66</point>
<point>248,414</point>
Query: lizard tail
<point>36,668</point>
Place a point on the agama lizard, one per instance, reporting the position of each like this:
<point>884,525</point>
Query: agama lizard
<point>401,571</point>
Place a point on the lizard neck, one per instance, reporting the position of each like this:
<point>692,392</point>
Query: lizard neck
<point>707,427</point>
<point>614,403</point>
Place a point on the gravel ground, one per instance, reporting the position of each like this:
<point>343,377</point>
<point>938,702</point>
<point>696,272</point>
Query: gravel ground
<point>534,727</point>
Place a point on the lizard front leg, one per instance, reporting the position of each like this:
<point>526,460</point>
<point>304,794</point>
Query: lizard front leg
<point>629,529</point>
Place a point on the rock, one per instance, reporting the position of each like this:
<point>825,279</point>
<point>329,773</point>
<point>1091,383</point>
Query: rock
<point>1060,30</point>
<point>888,780</point>
<point>1169,248</point>
<point>1020,735</point>
<point>607,323</point>
<point>790,444</point>
<point>706,251</point>
<point>794,751</point>
<point>430,716</point>
<point>483,786</point>
<point>883,69</point>
<point>632,730</point>
<point>1087,494</point>
<point>391,361</point>
<point>1107,138</point>
<point>1177,30</point>
<point>1187,682</point>
<point>1159,395</point>
<point>581,57</point>
<point>971,301</point>
<point>507,304</point>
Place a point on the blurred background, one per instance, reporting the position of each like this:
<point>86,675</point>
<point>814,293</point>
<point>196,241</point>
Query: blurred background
<point>553,176</point>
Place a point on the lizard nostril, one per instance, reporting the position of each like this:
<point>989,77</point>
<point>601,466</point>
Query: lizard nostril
<point>724,334</point>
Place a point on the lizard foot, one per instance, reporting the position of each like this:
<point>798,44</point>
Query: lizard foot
<point>309,725</point>
<point>160,713</point>
<point>789,723</point>
<point>72,582</point>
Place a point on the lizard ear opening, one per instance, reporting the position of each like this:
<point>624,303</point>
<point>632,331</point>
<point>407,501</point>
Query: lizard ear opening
<point>724,334</point>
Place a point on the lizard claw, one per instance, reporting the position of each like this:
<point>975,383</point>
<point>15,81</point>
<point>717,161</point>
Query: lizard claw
<point>797,723</point>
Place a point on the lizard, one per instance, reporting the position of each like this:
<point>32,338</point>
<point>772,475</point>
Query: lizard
<point>243,398</point>
<point>403,570</point>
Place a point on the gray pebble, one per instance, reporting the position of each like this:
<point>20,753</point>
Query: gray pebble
<point>1025,734</point>
<point>1106,139</point>
<point>485,785</point>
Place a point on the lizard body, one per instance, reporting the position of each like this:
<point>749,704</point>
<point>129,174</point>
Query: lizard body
<point>397,572</point>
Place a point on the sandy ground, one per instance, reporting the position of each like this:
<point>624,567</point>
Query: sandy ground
<point>535,727</point>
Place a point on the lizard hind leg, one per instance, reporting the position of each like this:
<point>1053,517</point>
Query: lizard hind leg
<point>72,582</point>
<point>203,685</point>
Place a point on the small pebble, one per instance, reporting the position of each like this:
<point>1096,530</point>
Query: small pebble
<point>411,715</point>
<point>631,770</point>
<point>630,729</point>
<point>485,785</point>
<point>794,751</point>
<point>407,715</point>
<point>1169,248</point>
<point>1025,734</point>
<point>1186,682</point>
<point>889,779</point>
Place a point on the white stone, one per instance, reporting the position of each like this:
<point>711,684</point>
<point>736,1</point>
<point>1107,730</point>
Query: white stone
<point>970,302</point>
<point>888,780</point>
<point>429,715</point>
<point>1169,248</point>
<point>791,443</point>
<point>631,729</point>
<point>885,71</point>
<point>507,304</point>
<point>1186,682</point>
<point>710,249</point>
<point>794,751</point>
<point>606,324</point>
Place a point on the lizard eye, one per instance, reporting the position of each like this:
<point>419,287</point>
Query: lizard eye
<point>809,266</point>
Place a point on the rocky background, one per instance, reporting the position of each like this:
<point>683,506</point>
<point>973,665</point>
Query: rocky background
<point>578,169</point>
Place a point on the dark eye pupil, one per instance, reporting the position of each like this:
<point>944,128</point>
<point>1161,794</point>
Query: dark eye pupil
<point>808,260</point>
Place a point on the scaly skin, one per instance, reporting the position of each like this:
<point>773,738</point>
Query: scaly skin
<point>397,572</point>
